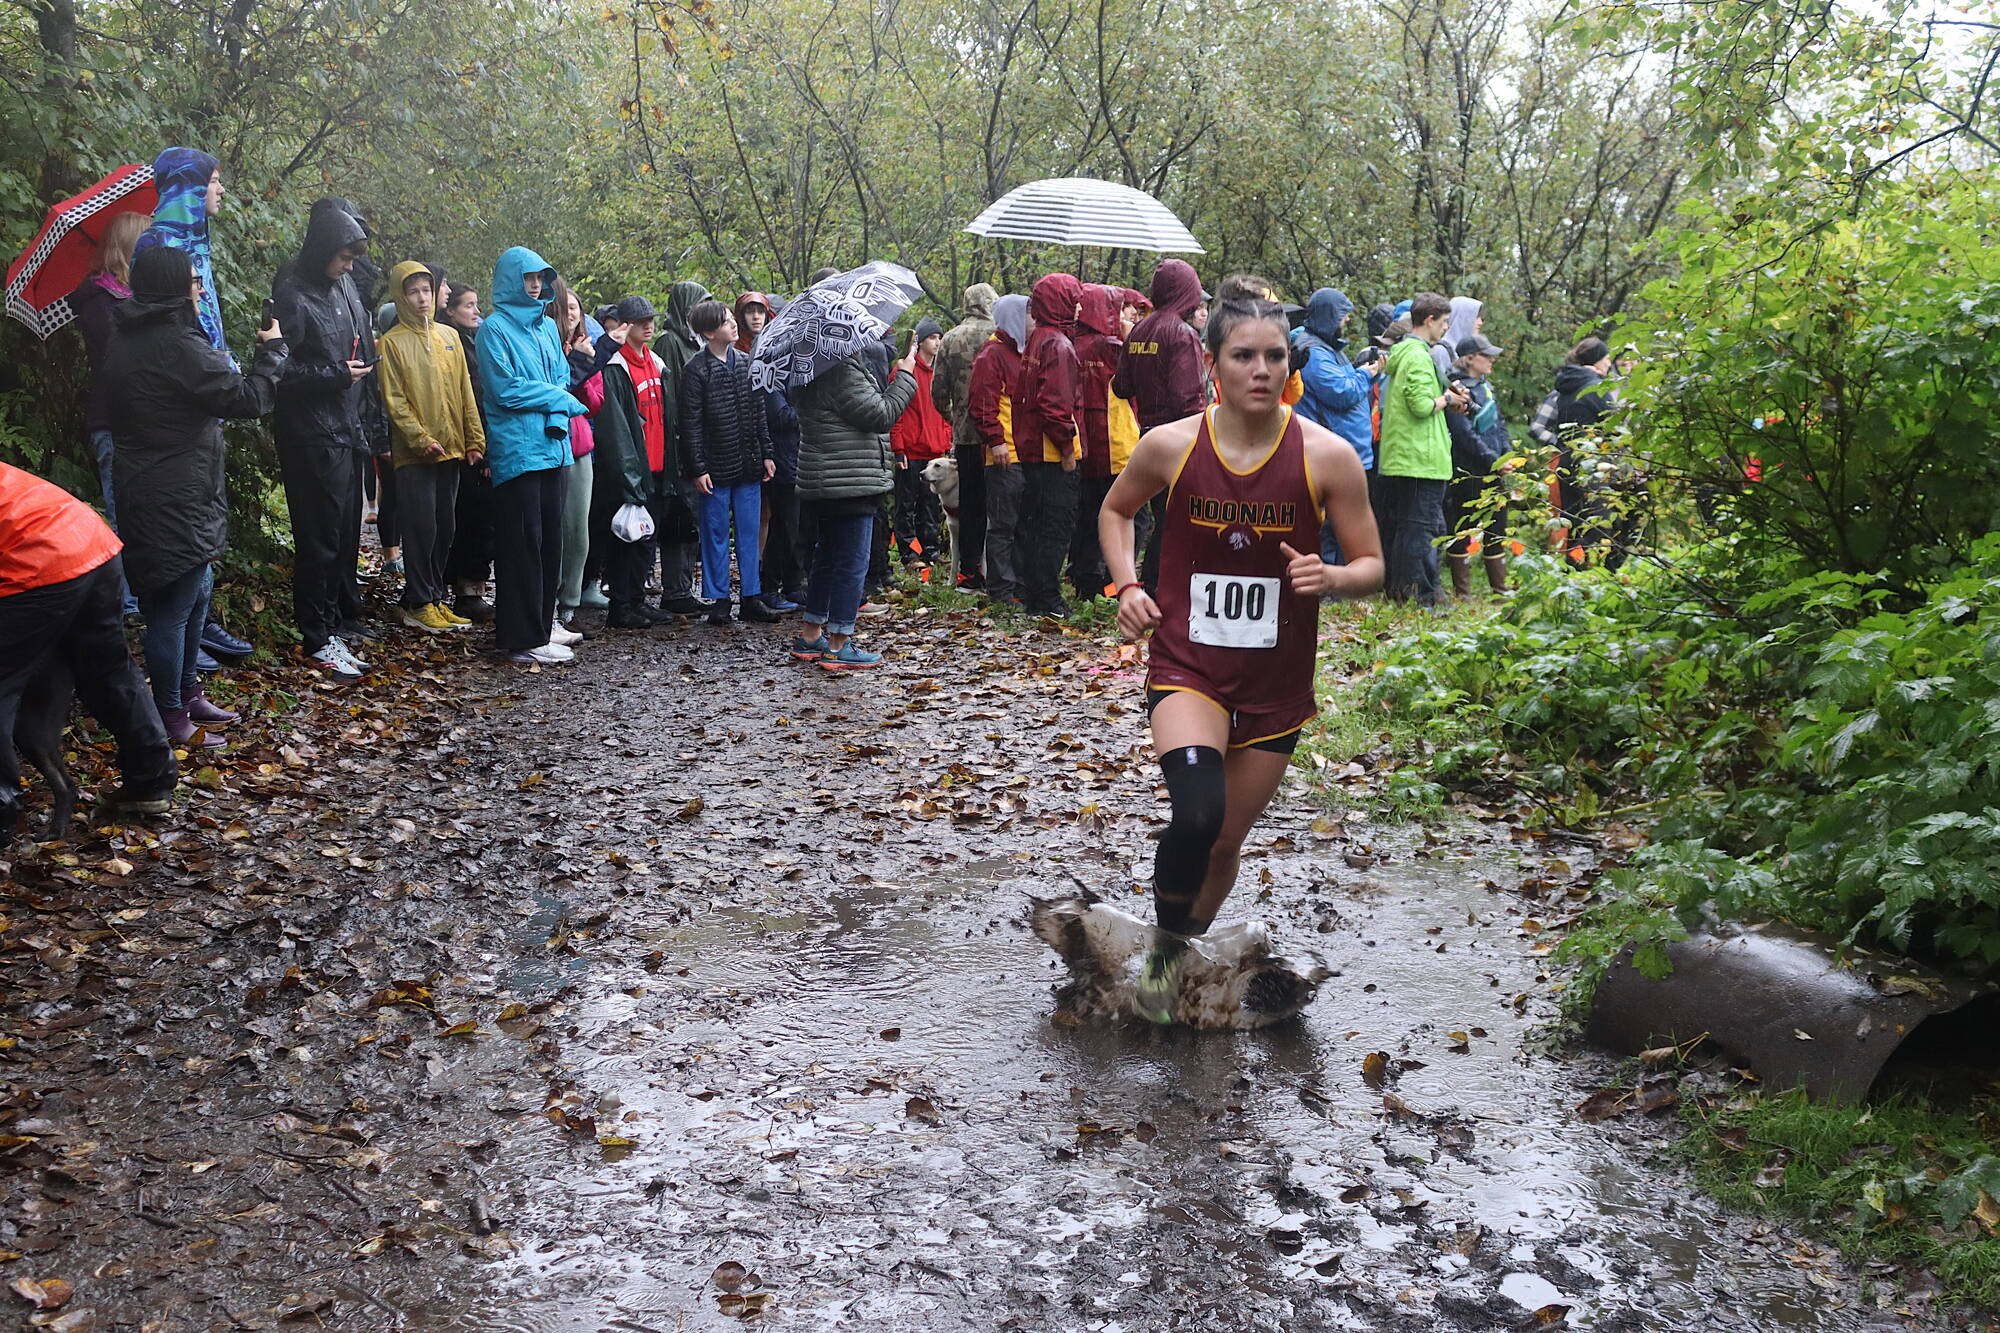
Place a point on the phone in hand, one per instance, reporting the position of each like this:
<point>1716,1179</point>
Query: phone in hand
<point>270,313</point>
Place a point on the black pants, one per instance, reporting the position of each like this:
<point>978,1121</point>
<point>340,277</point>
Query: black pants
<point>1048,523</point>
<point>784,571</point>
<point>878,549</point>
<point>527,557</point>
<point>1414,509</point>
<point>81,620</point>
<point>918,513</point>
<point>388,502</point>
<point>472,542</point>
<point>1086,554</point>
<point>971,502</point>
<point>323,495</point>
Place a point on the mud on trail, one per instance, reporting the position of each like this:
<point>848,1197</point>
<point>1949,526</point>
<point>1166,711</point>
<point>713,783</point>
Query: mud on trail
<point>689,985</point>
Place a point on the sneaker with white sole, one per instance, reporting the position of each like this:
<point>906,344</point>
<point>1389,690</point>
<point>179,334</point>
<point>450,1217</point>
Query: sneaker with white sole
<point>550,653</point>
<point>340,646</point>
<point>563,637</point>
<point>331,658</point>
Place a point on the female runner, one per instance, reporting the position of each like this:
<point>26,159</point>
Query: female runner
<point>1229,680</point>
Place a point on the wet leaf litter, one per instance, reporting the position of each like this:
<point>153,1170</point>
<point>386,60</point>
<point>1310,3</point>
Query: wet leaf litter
<point>684,988</point>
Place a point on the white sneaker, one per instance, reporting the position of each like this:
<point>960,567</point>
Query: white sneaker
<point>561,637</point>
<point>331,658</point>
<point>339,645</point>
<point>550,653</point>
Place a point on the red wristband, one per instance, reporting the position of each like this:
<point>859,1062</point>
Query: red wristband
<point>1124,588</point>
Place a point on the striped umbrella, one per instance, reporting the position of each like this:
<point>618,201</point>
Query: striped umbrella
<point>39,283</point>
<point>1075,210</point>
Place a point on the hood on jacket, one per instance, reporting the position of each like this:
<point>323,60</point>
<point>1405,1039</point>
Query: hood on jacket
<point>1379,320</point>
<point>682,298</point>
<point>1052,301</point>
<point>1324,311</point>
<point>1010,318</point>
<point>1573,380</point>
<point>979,299</point>
<point>180,222</point>
<point>329,230</point>
<point>160,280</point>
<point>406,314</point>
<point>1101,307</point>
<point>1464,315</point>
<point>1176,287</point>
<point>509,297</point>
<point>1133,297</point>
<point>748,299</point>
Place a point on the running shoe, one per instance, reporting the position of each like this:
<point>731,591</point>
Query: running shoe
<point>341,646</point>
<point>335,662</point>
<point>449,616</point>
<point>552,653</point>
<point>1159,987</point>
<point>563,637</point>
<point>427,619</point>
<point>849,658</point>
<point>811,650</point>
<point>784,606</point>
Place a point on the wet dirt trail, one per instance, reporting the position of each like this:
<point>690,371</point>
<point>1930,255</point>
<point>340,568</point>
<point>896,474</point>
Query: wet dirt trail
<point>688,985</point>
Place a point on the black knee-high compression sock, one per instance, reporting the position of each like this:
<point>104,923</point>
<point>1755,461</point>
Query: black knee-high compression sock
<point>1195,786</point>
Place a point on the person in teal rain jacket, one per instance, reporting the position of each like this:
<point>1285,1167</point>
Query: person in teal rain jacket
<point>525,375</point>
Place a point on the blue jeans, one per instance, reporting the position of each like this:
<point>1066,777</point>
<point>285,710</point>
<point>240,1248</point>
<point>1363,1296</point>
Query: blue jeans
<point>745,506</point>
<point>101,446</point>
<point>833,593</point>
<point>175,615</point>
<point>1412,522</point>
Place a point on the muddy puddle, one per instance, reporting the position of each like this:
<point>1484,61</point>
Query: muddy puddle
<point>868,1108</point>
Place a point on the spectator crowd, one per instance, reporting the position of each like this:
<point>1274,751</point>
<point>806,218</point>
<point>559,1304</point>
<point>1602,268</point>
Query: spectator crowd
<point>531,461</point>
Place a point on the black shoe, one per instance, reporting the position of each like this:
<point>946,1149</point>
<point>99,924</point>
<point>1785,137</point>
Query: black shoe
<point>153,799</point>
<point>755,609</point>
<point>351,630</point>
<point>204,663</point>
<point>718,611</point>
<point>476,609</point>
<point>686,605</point>
<point>1058,611</point>
<point>631,617</point>
<point>222,643</point>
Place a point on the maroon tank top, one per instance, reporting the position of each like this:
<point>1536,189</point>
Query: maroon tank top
<point>1231,627</point>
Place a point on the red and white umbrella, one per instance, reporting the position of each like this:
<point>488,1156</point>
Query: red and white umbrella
<point>40,281</point>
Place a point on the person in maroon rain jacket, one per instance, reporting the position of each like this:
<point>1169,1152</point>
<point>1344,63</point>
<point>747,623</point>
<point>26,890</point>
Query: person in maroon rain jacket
<point>1162,374</point>
<point>1046,402</point>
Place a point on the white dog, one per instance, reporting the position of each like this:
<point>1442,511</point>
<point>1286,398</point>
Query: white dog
<point>942,474</point>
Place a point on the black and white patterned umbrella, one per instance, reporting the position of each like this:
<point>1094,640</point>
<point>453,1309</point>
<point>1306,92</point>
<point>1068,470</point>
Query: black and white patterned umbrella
<point>1075,210</point>
<point>829,322</point>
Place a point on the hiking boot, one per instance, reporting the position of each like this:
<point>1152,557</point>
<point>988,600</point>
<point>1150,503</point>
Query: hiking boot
<point>849,658</point>
<point>204,713</point>
<point>811,650</point>
<point>1159,987</point>
<point>755,609</point>
<point>685,605</point>
<point>718,612</point>
<point>427,619</point>
<point>632,617</point>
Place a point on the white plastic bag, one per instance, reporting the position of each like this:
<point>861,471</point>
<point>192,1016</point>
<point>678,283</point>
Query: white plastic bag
<point>632,523</point>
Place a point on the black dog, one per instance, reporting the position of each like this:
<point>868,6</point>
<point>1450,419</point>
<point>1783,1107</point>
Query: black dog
<point>38,736</point>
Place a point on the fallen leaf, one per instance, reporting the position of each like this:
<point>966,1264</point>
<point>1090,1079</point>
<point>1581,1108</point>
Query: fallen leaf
<point>890,1034</point>
<point>924,1109</point>
<point>47,1294</point>
<point>730,1275</point>
<point>1375,1069</point>
<point>1550,1316</point>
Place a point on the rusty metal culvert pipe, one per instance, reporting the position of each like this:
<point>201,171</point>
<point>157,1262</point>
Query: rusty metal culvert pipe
<point>1787,1003</point>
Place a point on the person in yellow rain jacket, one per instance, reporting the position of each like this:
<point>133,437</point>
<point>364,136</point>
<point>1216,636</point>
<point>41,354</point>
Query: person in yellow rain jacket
<point>434,429</point>
<point>990,394</point>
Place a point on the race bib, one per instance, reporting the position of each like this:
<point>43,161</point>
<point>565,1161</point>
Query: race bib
<point>1231,611</point>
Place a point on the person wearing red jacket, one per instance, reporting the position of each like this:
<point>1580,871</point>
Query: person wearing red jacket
<point>62,595</point>
<point>1107,425</point>
<point>918,436</point>
<point>1162,374</point>
<point>1046,400</point>
<point>989,397</point>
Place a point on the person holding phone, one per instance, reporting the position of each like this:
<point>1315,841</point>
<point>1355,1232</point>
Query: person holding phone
<point>322,442</point>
